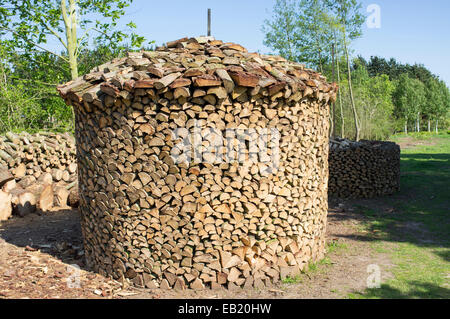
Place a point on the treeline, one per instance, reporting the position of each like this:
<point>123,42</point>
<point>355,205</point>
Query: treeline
<point>390,97</point>
<point>378,97</point>
<point>420,98</point>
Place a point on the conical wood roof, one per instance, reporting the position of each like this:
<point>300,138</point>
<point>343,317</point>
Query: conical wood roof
<point>188,64</point>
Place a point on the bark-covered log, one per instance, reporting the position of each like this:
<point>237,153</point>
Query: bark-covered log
<point>5,176</point>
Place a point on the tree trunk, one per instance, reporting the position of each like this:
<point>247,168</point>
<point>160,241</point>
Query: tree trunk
<point>429,125</point>
<point>437,130</point>
<point>340,100</point>
<point>418,122</point>
<point>331,125</point>
<point>73,63</point>
<point>406,127</point>
<point>333,134</point>
<point>355,115</point>
<point>320,61</point>
<point>70,23</point>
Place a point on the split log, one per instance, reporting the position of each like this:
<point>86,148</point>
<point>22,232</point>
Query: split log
<point>61,196</point>
<point>8,186</point>
<point>5,205</point>
<point>73,199</point>
<point>46,198</point>
<point>5,176</point>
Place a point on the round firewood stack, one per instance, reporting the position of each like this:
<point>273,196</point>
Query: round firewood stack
<point>363,169</point>
<point>158,222</point>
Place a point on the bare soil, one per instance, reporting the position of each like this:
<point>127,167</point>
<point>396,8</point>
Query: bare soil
<point>409,142</point>
<point>38,254</point>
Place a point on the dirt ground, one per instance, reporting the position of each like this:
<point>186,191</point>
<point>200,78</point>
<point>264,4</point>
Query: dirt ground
<point>409,142</point>
<point>41,256</point>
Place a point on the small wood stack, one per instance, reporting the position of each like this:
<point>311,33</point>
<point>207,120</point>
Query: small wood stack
<point>28,156</point>
<point>37,172</point>
<point>160,223</point>
<point>363,169</point>
<point>43,195</point>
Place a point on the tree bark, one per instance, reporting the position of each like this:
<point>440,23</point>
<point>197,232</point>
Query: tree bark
<point>320,62</point>
<point>70,23</point>
<point>333,131</point>
<point>418,122</point>
<point>340,99</point>
<point>355,115</point>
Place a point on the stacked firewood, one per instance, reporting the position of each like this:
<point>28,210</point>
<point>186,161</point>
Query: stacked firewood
<point>158,222</point>
<point>31,155</point>
<point>38,171</point>
<point>363,169</point>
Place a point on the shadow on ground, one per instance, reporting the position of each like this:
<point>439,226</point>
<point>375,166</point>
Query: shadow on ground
<point>417,290</point>
<point>418,214</point>
<point>56,233</point>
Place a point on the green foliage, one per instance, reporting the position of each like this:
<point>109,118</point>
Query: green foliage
<point>30,72</point>
<point>374,105</point>
<point>28,25</point>
<point>409,98</point>
<point>282,32</point>
<point>388,96</point>
<point>304,30</point>
<point>20,107</point>
<point>31,22</point>
<point>28,97</point>
<point>393,68</point>
<point>349,15</point>
<point>433,97</point>
<point>17,111</point>
<point>335,246</point>
<point>437,100</point>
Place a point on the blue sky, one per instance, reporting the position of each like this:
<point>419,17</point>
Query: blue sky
<point>411,30</point>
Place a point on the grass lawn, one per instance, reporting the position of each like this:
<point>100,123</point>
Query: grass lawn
<point>415,232</point>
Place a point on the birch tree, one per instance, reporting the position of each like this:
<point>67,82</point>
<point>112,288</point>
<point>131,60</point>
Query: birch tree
<point>348,13</point>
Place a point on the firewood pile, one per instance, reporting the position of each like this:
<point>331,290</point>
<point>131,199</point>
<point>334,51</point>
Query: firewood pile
<point>363,169</point>
<point>37,172</point>
<point>155,220</point>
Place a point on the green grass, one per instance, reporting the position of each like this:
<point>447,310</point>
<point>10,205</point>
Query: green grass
<point>292,280</point>
<point>416,233</point>
<point>418,136</point>
<point>335,247</point>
